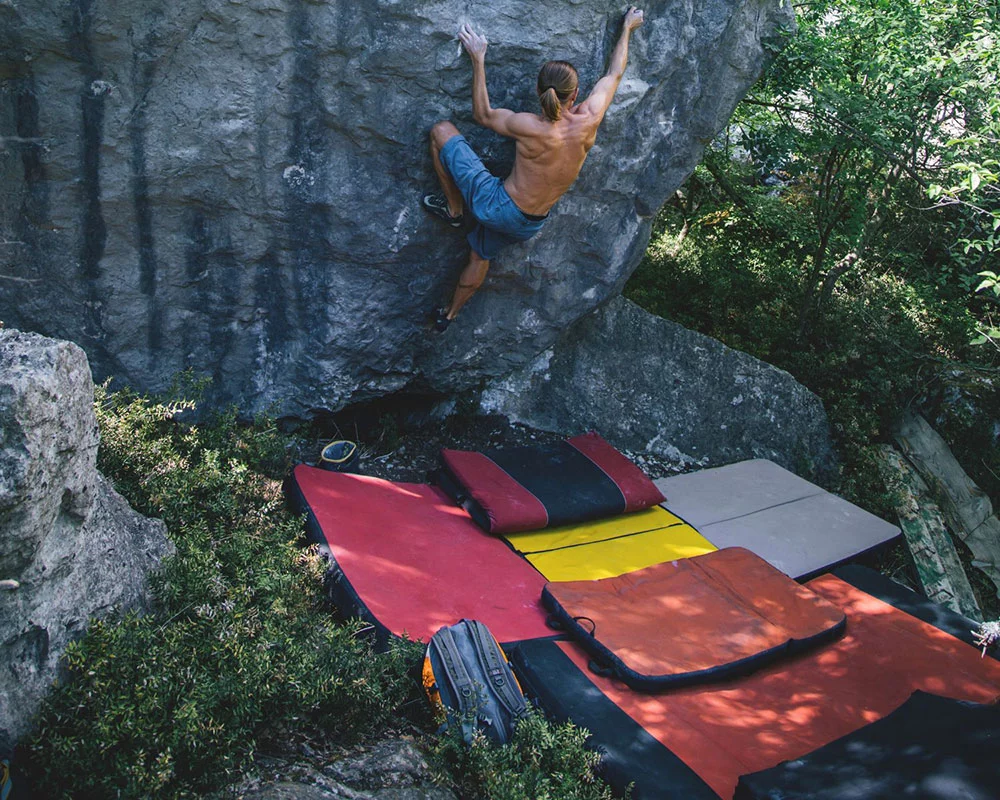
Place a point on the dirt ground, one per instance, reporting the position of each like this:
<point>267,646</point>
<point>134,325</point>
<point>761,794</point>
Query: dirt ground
<point>409,452</point>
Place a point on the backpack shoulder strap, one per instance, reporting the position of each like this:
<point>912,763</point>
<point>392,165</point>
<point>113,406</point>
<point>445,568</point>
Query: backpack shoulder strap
<point>465,691</point>
<point>495,665</point>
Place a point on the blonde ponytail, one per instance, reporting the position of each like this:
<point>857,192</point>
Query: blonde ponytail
<point>551,106</point>
<point>557,81</point>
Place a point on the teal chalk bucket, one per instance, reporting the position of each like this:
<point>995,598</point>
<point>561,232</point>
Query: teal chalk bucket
<point>340,456</point>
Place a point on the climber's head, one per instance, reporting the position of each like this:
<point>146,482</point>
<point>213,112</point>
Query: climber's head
<point>558,85</point>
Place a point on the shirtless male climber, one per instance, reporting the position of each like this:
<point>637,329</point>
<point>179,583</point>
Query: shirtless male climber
<point>551,149</point>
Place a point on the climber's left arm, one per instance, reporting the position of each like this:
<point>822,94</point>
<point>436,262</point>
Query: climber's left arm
<point>502,120</point>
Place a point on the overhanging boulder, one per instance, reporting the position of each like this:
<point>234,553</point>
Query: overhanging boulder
<point>234,187</point>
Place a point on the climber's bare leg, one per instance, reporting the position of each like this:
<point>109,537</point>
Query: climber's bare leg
<point>441,132</point>
<point>472,278</point>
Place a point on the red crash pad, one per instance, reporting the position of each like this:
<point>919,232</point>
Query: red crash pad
<point>415,561</point>
<point>722,731</point>
<point>693,620</point>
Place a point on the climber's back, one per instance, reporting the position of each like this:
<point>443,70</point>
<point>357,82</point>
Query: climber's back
<point>550,154</point>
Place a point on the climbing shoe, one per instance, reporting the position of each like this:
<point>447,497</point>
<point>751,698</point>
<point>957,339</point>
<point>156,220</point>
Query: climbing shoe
<point>437,205</point>
<point>441,321</point>
<point>340,456</point>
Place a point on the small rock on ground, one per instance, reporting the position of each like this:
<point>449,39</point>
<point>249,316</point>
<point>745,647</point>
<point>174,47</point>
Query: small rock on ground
<point>392,769</point>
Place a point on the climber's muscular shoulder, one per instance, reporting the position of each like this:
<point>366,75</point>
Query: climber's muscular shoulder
<point>550,155</point>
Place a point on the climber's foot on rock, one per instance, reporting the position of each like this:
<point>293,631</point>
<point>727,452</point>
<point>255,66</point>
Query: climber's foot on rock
<point>441,321</point>
<point>437,205</point>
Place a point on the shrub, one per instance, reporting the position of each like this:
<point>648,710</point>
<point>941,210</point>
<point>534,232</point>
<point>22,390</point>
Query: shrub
<point>170,704</point>
<point>881,340</point>
<point>544,761</point>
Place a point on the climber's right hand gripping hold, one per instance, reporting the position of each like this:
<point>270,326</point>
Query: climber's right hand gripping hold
<point>633,18</point>
<point>474,44</point>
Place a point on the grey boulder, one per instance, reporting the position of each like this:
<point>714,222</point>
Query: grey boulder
<point>235,187</point>
<point>648,384</point>
<point>392,769</point>
<point>70,547</point>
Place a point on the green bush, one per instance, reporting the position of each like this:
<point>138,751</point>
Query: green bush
<point>881,340</point>
<point>170,704</point>
<point>544,761</point>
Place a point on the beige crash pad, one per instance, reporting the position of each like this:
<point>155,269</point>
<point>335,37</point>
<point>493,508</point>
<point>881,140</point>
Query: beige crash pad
<point>798,527</point>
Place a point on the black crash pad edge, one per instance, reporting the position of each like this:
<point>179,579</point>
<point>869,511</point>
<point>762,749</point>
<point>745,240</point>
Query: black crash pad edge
<point>340,593</point>
<point>629,755</point>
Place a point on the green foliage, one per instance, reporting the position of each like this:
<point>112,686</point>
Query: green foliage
<point>882,340</point>
<point>988,332</point>
<point>885,119</point>
<point>170,704</point>
<point>544,761</point>
<point>846,228</point>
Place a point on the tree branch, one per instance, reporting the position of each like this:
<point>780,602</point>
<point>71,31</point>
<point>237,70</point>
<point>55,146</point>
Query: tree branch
<point>890,156</point>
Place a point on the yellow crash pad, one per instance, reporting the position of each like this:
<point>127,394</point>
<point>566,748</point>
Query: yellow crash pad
<point>597,531</point>
<point>614,557</point>
<point>611,547</point>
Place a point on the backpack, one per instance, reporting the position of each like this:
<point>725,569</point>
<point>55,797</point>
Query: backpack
<point>469,682</point>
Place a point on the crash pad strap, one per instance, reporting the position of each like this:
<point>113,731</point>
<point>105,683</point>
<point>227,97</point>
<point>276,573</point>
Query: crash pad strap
<point>693,620</point>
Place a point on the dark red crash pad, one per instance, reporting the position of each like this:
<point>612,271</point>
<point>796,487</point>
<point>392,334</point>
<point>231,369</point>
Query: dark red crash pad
<point>693,620</point>
<point>413,561</point>
<point>513,489</point>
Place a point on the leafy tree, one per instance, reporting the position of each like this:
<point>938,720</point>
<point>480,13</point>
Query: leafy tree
<point>883,119</point>
<point>845,228</point>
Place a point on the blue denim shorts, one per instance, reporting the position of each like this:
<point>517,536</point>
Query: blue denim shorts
<point>499,222</point>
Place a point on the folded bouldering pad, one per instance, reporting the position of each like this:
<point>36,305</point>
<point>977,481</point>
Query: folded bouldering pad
<point>406,559</point>
<point>781,712</point>
<point>931,747</point>
<point>526,488</point>
<point>610,547</point>
<point>690,621</point>
<point>793,524</point>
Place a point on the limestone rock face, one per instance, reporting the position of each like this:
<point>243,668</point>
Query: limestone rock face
<point>234,186</point>
<point>70,547</point>
<point>646,383</point>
